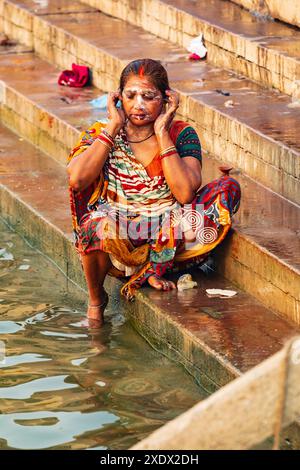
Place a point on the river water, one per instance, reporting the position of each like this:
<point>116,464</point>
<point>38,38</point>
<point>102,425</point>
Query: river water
<point>65,386</point>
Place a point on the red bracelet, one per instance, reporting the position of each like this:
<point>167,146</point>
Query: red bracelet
<point>168,154</point>
<point>103,138</point>
<point>104,131</point>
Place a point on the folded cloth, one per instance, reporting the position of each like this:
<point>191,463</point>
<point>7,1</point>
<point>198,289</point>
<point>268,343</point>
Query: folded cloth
<point>197,49</point>
<point>77,77</point>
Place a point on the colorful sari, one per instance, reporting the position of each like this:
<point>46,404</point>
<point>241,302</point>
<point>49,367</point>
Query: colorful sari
<point>130,212</point>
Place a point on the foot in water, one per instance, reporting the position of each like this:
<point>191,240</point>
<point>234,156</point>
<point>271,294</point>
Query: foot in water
<point>95,311</point>
<point>160,283</point>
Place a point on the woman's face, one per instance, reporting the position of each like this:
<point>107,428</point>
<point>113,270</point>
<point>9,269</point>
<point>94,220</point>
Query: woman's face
<point>142,101</point>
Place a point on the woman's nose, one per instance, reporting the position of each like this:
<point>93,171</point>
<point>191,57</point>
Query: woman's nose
<point>138,103</point>
<point>138,106</point>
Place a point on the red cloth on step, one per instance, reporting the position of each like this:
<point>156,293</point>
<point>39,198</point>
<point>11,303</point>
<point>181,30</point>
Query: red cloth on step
<point>77,77</point>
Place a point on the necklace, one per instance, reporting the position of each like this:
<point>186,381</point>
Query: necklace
<point>138,141</point>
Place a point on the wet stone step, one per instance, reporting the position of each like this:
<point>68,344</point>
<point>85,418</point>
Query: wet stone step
<point>47,114</point>
<point>36,179</point>
<point>241,330</point>
<point>290,14</point>
<point>259,48</point>
<point>267,149</point>
<point>262,256</point>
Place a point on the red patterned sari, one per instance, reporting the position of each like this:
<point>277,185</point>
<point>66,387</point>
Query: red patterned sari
<point>130,212</point>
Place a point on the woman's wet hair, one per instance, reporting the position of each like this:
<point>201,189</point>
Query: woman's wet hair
<point>147,68</point>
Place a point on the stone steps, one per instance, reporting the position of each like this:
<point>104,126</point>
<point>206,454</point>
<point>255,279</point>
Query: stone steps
<point>261,49</point>
<point>215,339</point>
<point>261,256</point>
<point>289,12</point>
<point>258,135</point>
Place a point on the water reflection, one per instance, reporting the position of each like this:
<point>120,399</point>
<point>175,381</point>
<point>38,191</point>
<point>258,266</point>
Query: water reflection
<point>63,385</point>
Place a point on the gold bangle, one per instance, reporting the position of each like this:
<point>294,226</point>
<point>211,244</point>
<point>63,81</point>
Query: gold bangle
<point>172,147</point>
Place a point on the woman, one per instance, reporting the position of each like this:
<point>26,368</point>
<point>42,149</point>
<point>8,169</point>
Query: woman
<point>136,201</point>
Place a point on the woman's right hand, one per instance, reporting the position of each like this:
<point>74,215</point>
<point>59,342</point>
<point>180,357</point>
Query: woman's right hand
<point>116,115</point>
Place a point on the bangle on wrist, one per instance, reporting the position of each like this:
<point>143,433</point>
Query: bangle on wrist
<point>105,132</point>
<point>167,155</point>
<point>172,147</point>
<point>168,152</point>
<point>106,139</point>
<point>103,143</point>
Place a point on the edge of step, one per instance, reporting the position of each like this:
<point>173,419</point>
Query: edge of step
<point>290,14</point>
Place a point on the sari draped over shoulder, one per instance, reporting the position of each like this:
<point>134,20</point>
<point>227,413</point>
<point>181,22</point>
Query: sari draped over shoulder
<point>130,212</point>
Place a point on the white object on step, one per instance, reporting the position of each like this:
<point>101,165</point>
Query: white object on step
<point>186,282</point>
<point>229,104</point>
<point>220,293</point>
<point>197,47</point>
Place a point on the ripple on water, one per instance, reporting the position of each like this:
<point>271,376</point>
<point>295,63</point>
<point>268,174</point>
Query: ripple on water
<point>138,386</point>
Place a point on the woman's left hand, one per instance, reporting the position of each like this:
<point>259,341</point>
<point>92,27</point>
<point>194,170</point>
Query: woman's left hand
<point>164,120</point>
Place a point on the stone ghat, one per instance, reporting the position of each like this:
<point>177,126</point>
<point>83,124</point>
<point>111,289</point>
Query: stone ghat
<point>216,340</point>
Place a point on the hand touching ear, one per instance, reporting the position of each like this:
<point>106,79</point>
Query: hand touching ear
<point>164,120</point>
<point>115,115</point>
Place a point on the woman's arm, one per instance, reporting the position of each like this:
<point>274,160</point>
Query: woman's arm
<point>183,175</point>
<point>86,167</point>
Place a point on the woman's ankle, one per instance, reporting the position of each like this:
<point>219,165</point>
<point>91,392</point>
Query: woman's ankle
<point>95,314</point>
<point>97,297</point>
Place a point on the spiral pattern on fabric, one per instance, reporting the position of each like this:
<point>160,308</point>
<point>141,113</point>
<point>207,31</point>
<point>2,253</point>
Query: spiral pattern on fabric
<point>207,235</point>
<point>192,218</point>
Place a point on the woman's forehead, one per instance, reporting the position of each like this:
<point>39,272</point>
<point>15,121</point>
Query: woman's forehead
<point>140,84</point>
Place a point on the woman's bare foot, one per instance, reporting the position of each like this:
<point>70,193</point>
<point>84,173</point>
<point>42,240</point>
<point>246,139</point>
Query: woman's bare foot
<point>160,283</point>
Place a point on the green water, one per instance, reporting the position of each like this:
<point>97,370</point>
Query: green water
<point>65,386</point>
